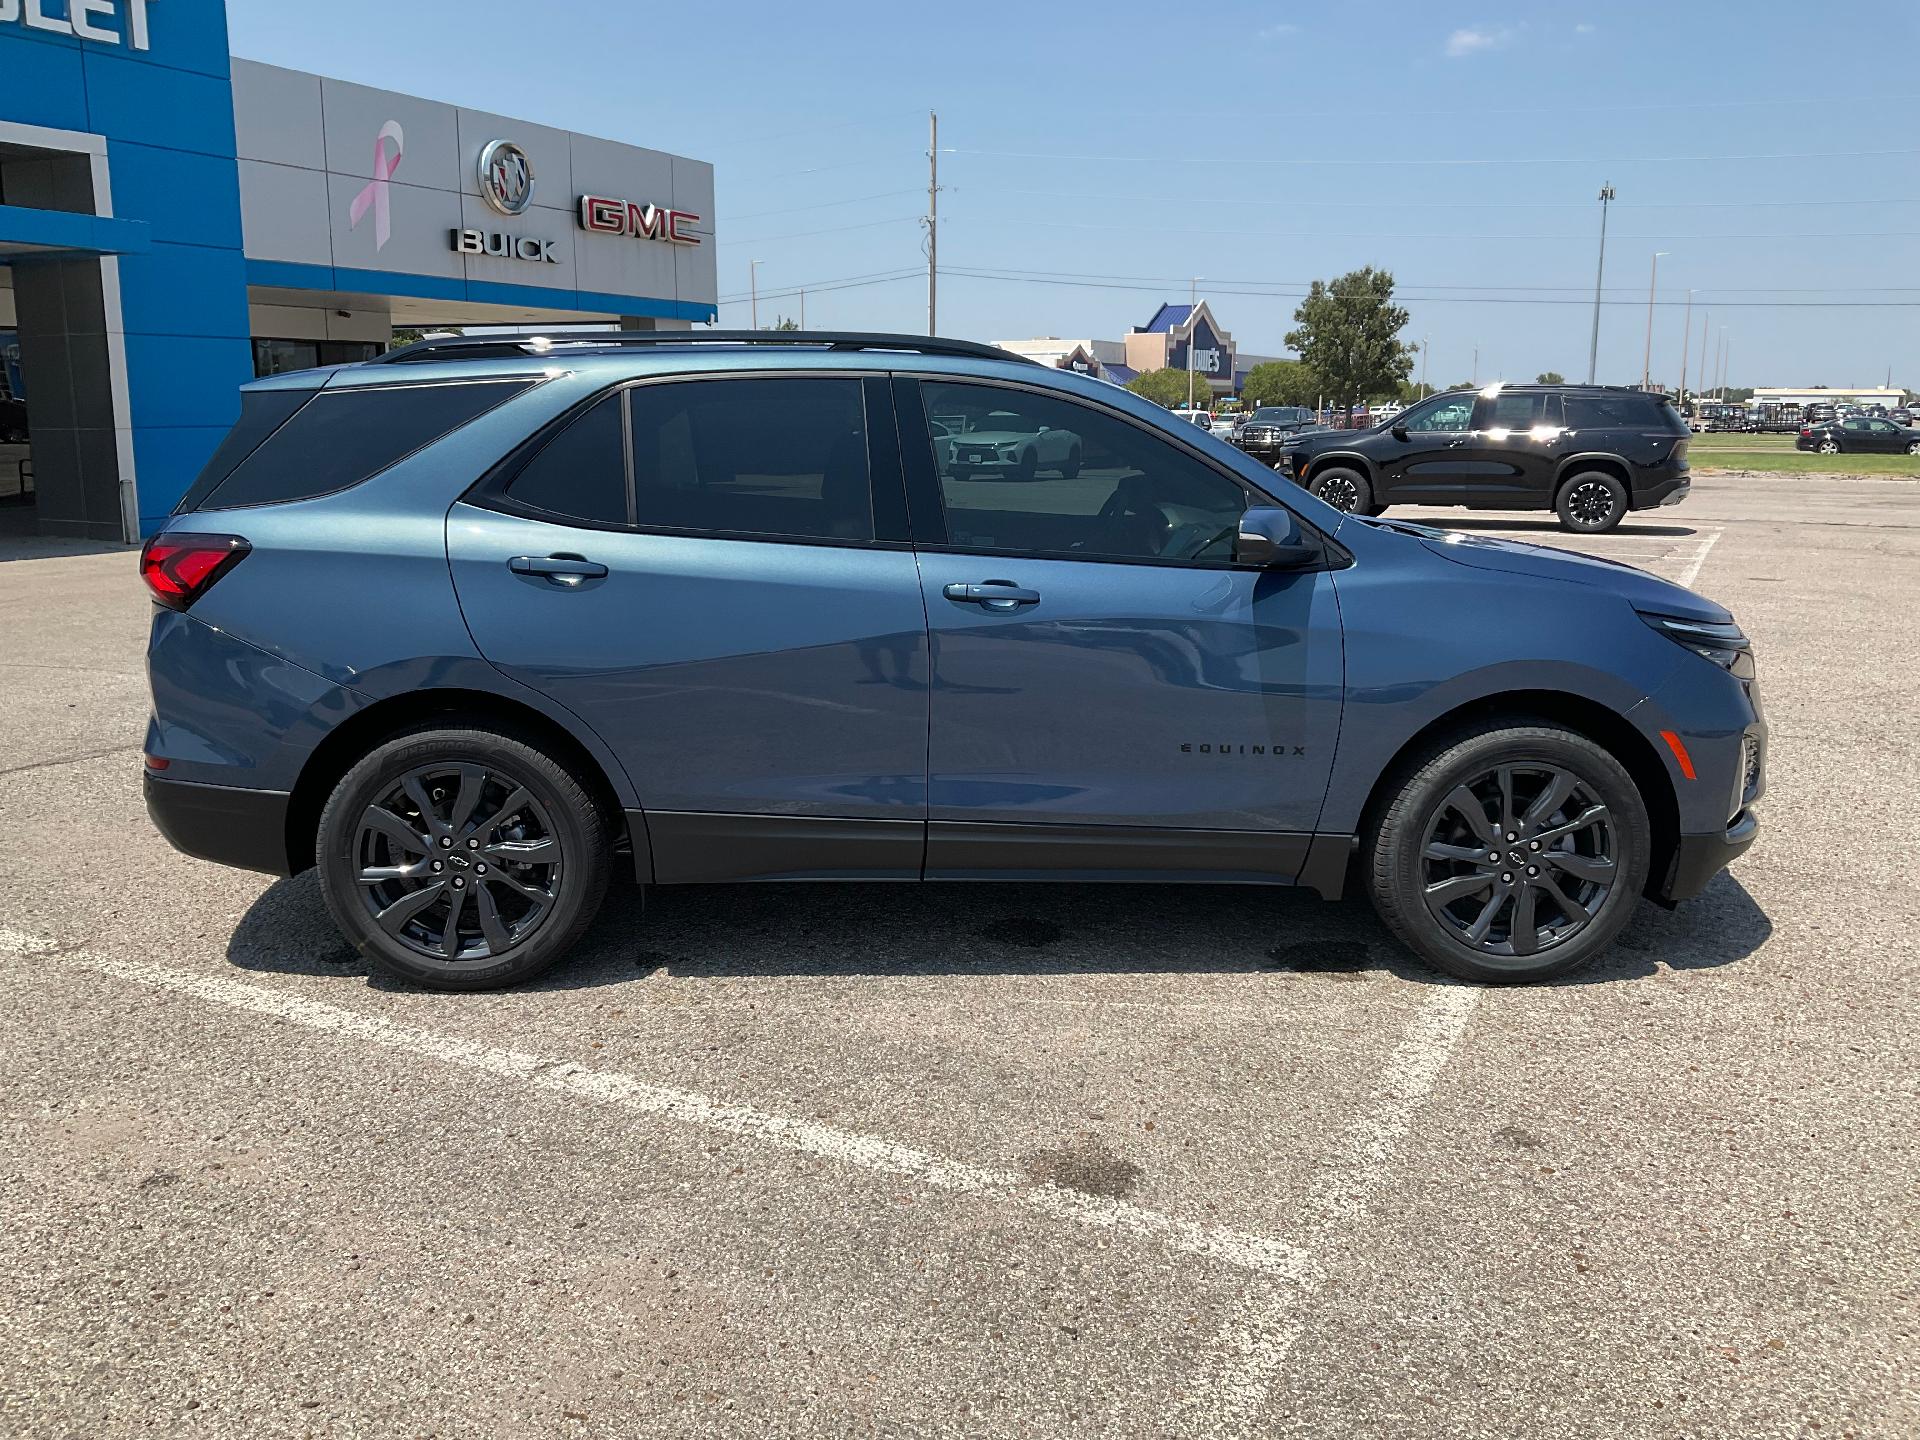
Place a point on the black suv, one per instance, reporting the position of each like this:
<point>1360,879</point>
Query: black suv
<point>1590,453</point>
<point>1265,432</point>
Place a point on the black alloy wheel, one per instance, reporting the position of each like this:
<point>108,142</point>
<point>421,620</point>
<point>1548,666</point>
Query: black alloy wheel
<point>463,858</point>
<point>1518,860</point>
<point>1343,489</point>
<point>1591,503</point>
<point>458,861</point>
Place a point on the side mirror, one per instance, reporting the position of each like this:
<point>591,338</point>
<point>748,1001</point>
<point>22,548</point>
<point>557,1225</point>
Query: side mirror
<point>1270,537</point>
<point>1399,432</point>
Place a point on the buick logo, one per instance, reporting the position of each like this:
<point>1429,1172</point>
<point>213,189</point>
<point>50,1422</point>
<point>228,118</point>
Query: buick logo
<point>506,177</point>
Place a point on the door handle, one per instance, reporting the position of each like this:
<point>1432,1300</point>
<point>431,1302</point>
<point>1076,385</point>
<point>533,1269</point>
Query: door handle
<point>993,594</point>
<point>563,570</point>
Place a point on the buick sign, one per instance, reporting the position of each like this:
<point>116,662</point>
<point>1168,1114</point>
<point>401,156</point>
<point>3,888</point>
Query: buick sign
<point>506,177</point>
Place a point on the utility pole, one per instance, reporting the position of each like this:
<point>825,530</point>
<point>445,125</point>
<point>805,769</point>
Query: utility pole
<point>1593,349</point>
<point>1426,345</point>
<point>1646,363</point>
<point>803,309</point>
<point>1193,301</point>
<point>1726,359</point>
<point>933,223</point>
<point>1686,339</point>
<point>753,292</point>
<point>1476,364</point>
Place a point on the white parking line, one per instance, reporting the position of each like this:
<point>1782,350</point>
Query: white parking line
<point>1276,1259</point>
<point>1692,572</point>
<point>1251,1350</point>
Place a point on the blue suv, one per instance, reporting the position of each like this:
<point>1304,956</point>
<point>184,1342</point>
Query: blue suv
<point>475,627</point>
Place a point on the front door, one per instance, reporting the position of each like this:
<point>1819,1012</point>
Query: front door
<point>1110,693</point>
<point>1508,460</point>
<point>701,571</point>
<point>1427,466</point>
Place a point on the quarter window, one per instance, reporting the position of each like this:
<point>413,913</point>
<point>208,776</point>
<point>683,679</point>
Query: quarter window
<point>1031,474</point>
<point>581,473</point>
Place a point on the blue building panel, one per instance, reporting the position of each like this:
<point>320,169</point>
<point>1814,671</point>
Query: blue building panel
<point>184,290</point>
<point>158,105</point>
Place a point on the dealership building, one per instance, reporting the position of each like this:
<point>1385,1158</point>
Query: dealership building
<point>174,222</point>
<point>1172,335</point>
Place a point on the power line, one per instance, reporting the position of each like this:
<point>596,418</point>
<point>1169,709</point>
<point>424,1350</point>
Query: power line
<point>1291,203</point>
<point>830,230</point>
<point>821,205</point>
<point>880,278</point>
<point>1303,284</point>
<point>1442,162</point>
<point>1433,234</point>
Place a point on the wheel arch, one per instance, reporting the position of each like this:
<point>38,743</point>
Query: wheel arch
<point>1351,458</point>
<point>1599,460</point>
<point>367,728</point>
<point>1604,726</point>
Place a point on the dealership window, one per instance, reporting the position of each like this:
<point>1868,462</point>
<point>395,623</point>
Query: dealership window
<point>276,357</point>
<point>1032,474</point>
<point>785,458</point>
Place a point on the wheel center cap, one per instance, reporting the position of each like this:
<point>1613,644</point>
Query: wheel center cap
<point>458,861</point>
<point>1518,857</point>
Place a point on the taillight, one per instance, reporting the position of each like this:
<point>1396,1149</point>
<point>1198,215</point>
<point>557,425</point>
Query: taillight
<point>1806,432</point>
<point>179,569</point>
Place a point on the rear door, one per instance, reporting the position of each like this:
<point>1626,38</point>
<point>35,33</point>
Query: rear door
<point>1508,460</point>
<point>704,572</point>
<point>1111,694</point>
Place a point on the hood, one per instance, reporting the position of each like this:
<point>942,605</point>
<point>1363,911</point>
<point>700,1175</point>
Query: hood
<point>992,437</point>
<point>1638,588</point>
<point>1329,439</point>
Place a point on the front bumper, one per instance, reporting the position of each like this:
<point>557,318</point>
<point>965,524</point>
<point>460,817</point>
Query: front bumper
<point>1698,858</point>
<point>246,829</point>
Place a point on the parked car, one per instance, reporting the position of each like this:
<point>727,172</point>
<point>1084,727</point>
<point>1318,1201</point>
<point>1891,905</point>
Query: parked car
<point>1202,418</point>
<point>1859,435</point>
<point>1589,453</point>
<point>1003,451</point>
<point>1223,425</point>
<point>1902,416</point>
<point>1267,429</point>
<point>476,627</point>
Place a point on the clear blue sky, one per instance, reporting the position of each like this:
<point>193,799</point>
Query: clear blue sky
<point>1077,132</point>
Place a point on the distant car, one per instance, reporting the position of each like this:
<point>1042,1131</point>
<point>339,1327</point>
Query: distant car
<point>1859,435</point>
<point>1224,426</point>
<point>1266,430</point>
<point>1902,416</point>
<point>1202,418</point>
<point>990,453</point>
<point>1589,453</point>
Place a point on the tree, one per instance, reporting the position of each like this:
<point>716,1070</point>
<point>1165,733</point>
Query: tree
<point>1281,382</point>
<point>407,336</point>
<point>1349,335</point>
<point>1549,377</point>
<point>787,322</point>
<point>1169,388</point>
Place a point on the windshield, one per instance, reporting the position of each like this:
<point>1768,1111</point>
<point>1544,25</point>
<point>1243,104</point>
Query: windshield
<point>1279,414</point>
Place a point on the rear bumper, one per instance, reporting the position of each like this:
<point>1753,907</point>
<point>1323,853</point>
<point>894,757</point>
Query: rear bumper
<point>1662,492</point>
<point>1698,858</point>
<point>246,829</point>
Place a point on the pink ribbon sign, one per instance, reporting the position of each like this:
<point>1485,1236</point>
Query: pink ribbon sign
<point>374,196</point>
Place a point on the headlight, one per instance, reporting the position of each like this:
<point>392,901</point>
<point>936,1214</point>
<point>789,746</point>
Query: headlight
<point>1725,645</point>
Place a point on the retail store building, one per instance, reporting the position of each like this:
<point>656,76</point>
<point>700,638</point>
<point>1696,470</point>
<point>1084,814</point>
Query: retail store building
<point>174,221</point>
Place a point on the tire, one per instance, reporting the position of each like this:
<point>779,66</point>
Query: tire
<point>1343,488</point>
<point>1581,498</point>
<point>1829,446</point>
<point>1025,467</point>
<point>1070,468</point>
<point>1914,448</point>
<point>1602,874</point>
<point>523,803</point>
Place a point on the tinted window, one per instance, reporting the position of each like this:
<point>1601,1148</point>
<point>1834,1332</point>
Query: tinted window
<point>261,413</point>
<point>580,473</point>
<point>1630,412</point>
<point>777,457</point>
<point>342,437</point>
<point>1279,414</point>
<point>1033,474</point>
<point>1449,412</point>
<point>1513,410</point>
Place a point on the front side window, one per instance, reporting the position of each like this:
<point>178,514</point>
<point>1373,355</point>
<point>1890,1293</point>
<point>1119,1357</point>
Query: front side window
<point>1445,412</point>
<point>779,457</point>
<point>1032,474</point>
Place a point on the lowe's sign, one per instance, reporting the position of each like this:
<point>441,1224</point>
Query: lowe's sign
<point>105,22</point>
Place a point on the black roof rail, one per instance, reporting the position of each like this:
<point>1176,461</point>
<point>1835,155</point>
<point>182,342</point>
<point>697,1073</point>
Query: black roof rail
<point>480,347</point>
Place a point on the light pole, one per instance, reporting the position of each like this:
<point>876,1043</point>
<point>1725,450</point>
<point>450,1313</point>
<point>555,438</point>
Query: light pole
<point>753,293</point>
<point>1193,291</point>
<point>1426,347</point>
<point>1646,363</point>
<point>1593,350</point>
<point>1706,324</point>
<point>1686,339</point>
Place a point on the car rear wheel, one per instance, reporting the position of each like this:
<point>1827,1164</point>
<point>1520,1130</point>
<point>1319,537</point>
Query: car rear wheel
<point>1070,467</point>
<point>1343,489</point>
<point>1511,854</point>
<point>1591,503</point>
<point>462,859</point>
<point>1829,446</point>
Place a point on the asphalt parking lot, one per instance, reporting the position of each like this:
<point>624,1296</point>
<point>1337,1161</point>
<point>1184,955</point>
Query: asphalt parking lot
<point>982,1161</point>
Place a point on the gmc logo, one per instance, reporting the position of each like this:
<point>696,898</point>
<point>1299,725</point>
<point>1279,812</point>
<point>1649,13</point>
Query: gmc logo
<point>607,216</point>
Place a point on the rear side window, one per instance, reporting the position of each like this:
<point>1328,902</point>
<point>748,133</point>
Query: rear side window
<point>1629,412</point>
<point>341,437</point>
<point>783,458</point>
<point>1513,410</point>
<point>581,473</point>
<point>261,413</point>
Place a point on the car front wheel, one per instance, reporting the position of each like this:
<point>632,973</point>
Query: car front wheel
<point>1829,447</point>
<point>1591,503</point>
<point>1511,854</point>
<point>1914,448</point>
<point>462,859</point>
<point>1343,489</point>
